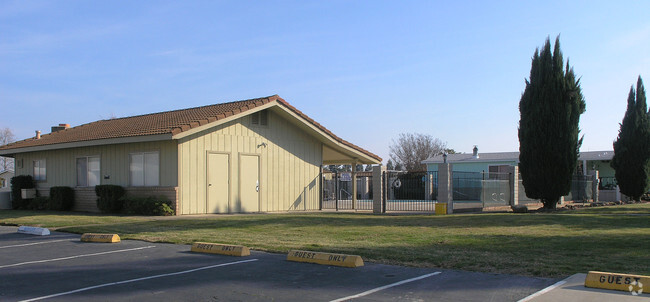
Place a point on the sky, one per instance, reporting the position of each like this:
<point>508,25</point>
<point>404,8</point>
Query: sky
<point>366,70</point>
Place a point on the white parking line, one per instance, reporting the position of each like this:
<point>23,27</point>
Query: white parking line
<point>78,256</point>
<point>35,243</point>
<point>385,287</point>
<point>543,291</point>
<point>136,280</point>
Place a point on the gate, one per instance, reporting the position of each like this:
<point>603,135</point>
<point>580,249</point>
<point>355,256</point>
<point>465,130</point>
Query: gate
<point>337,191</point>
<point>410,191</point>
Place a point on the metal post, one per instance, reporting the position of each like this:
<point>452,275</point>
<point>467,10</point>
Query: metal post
<point>336,190</point>
<point>322,187</point>
<point>354,185</point>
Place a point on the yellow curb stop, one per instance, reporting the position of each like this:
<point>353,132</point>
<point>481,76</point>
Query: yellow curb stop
<point>223,249</point>
<point>622,282</point>
<point>325,258</point>
<point>106,238</point>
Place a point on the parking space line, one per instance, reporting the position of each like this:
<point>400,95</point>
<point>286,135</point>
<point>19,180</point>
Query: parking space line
<point>77,256</point>
<point>385,287</point>
<point>35,243</point>
<point>543,291</point>
<point>137,279</point>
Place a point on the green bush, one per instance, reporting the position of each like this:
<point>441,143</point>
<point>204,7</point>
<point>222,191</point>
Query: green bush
<point>17,184</point>
<point>36,203</point>
<point>61,198</point>
<point>148,206</point>
<point>110,198</point>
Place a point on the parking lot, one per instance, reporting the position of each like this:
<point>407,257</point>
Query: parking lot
<point>60,267</point>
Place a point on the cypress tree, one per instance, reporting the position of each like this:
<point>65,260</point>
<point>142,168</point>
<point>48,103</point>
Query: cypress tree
<point>550,109</point>
<point>631,160</point>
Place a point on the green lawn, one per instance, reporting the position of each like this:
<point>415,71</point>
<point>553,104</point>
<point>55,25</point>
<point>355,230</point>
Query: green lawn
<point>615,239</point>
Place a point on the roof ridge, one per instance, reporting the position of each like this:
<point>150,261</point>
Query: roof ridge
<point>178,110</point>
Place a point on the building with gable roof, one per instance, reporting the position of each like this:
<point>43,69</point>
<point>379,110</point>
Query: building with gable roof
<point>257,155</point>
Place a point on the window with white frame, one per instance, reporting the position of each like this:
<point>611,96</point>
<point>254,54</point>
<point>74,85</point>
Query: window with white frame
<point>144,169</point>
<point>39,170</point>
<point>88,170</point>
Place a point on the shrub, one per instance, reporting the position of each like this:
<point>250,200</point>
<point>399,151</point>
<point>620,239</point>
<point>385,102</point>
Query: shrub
<point>17,184</point>
<point>148,206</point>
<point>61,198</point>
<point>520,209</point>
<point>36,203</point>
<point>110,198</point>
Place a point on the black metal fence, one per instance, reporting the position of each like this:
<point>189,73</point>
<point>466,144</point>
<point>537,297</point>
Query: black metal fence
<point>337,191</point>
<point>411,191</point>
<point>418,191</point>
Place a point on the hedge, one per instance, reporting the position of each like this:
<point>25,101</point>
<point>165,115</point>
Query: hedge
<point>110,198</point>
<point>17,184</point>
<point>61,198</point>
<point>151,206</point>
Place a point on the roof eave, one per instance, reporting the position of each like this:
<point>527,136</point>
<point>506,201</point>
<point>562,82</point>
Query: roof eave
<point>89,143</point>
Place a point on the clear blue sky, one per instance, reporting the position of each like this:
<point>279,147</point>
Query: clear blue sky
<point>367,70</point>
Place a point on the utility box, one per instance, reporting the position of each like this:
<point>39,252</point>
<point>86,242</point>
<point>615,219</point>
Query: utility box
<point>27,193</point>
<point>441,208</point>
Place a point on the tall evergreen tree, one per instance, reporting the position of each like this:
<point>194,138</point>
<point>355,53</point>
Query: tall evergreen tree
<point>631,160</point>
<point>550,109</point>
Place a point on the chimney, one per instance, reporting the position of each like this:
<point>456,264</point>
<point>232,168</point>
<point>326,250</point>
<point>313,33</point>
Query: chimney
<point>38,134</point>
<point>475,153</point>
<point>60,127</point>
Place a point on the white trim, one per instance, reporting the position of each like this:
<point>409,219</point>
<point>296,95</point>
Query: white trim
<point>384,287</point>
<point>136,280</point>
<point>97,142</point>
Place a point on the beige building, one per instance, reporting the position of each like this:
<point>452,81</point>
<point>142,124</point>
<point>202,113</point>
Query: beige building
<point>258,155</point>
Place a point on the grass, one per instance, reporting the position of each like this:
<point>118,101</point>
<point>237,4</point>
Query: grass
<point>554,245</point>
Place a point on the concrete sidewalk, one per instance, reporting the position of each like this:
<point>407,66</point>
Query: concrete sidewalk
<point>574,290</point>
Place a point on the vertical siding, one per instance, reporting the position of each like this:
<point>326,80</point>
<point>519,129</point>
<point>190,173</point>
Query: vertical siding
<point>289,164</point>
<point>61,165</point>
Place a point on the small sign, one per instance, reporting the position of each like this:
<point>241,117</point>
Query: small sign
<point>346,176</point>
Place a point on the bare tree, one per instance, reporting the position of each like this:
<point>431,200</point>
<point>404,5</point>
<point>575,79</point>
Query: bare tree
<point>6,137</point>
<point>411,149</point>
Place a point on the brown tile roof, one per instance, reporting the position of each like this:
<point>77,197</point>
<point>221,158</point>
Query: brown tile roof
<point>169,122</point>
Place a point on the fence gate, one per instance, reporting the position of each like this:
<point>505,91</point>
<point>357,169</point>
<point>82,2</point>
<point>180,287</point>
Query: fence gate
<point>410,191</point>
<point>337,191</point>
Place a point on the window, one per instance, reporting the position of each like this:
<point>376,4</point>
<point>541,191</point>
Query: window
<point>499,172</point>
<point>144,169</point>
<point>260,118</point>
<point>39,170</point>
<point>88,171</point>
